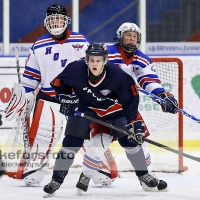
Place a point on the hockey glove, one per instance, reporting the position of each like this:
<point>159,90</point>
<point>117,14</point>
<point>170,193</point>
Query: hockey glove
<point>136,131</point>
<point>170,104</point>
<point>68,104</point>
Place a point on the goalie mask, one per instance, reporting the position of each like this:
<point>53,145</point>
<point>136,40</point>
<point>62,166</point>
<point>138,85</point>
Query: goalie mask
<point>56,20</point>
<point>125,27</point>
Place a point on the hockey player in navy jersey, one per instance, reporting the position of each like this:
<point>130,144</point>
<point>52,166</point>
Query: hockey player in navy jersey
<point>126,55</point>
<point>105,92</point>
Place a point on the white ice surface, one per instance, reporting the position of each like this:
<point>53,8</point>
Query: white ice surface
<point>185,186</point>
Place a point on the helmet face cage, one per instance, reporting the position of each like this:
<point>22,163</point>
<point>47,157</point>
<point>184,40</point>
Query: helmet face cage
<point>128,26</point>
<point>56,20</point>
<point>56,24</point>
<point>95,49</point>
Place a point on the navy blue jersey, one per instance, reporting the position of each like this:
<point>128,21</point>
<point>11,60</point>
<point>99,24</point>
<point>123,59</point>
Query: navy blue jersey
<point>115,95</point>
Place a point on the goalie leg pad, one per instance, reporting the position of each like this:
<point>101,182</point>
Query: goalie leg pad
<point>44,133</point>
<point>92,159</point>
<point>107,171</point>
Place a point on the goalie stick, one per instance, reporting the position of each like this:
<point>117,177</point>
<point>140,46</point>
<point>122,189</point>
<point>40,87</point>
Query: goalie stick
<point>26,153</point>
<point>159,100</point>
<point>145,139</point>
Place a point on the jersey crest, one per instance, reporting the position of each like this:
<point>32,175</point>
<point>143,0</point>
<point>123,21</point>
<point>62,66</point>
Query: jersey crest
<point>105,92</point>
<point>77,47</point>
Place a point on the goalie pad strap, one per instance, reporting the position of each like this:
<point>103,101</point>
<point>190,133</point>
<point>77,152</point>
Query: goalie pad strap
<point>112,163</point>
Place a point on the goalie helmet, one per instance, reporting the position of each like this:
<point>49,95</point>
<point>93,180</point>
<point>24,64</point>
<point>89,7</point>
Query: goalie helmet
<point>56,20</point>
<point>128,26</point>
<point>96,49</point>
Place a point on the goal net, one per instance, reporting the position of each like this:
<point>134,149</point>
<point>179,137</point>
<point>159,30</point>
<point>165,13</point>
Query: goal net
<point>164,128</point>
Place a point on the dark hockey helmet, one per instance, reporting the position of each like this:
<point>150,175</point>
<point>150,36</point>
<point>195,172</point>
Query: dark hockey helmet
<point>56,9</point>
<point>96,49</point>
<point>56,20</point>
<point>128,26</point>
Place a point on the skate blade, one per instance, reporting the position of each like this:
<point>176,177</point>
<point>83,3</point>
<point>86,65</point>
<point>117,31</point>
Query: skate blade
<point>149,189</point>
<point>164,190</point>
<point>46,195</point>
<point>79,192</point>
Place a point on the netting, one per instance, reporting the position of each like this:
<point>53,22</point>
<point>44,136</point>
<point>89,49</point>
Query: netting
<point>164,128</point>
<point>14,148</point>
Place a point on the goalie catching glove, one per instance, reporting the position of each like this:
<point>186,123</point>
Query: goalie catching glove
<point>170,104</point>
<point>136,131</point>
<point>68,104</point>
<point>20,103</point>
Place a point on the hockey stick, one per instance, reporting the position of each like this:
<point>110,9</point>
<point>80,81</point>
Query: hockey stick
<point>26,153</point>
<point>145,139</point>
<point>159,100</point>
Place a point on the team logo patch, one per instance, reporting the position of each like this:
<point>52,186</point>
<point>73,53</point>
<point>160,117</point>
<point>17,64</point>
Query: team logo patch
<point>77,47</point>
<point>105,92</point>
<point>135,69</point>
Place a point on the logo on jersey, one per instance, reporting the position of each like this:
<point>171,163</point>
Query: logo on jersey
<point>135,69</point>
<point>98,98</point>
<point>105,92</point>
<point>77,47</point>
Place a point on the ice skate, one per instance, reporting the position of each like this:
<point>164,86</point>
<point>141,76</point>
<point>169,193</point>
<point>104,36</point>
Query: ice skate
<point>50,189</point>
<point>82,184</point>
<point>148,182</point>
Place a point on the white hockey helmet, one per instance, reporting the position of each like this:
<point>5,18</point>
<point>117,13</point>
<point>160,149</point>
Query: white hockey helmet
<point>56,20</point>
<point>128,26</point>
